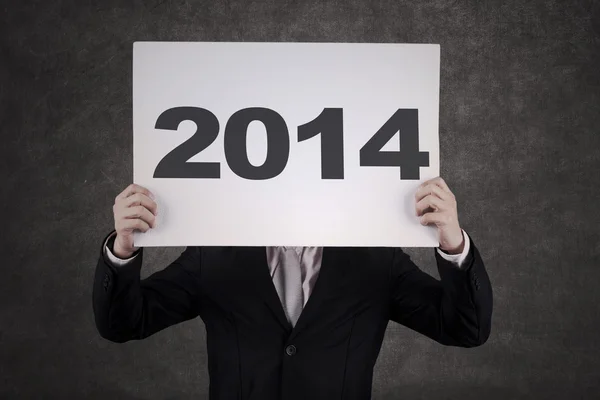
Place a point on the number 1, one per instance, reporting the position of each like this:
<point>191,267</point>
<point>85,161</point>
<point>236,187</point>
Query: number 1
<point>330,124</point>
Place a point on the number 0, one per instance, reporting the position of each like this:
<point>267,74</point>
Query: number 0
<point>278,143</point>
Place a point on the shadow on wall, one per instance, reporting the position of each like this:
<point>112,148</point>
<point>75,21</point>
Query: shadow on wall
<point>122,393</point>
<point>114,393</point>
<point>449,391</point>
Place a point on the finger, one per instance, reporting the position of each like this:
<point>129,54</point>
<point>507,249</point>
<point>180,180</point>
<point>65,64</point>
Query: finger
<point>440,219</point>
<point>436,218</point>
<point>441,183</point>
<point>438,181</point>
<point>131,189</point>
<point>431,189</point>
<point>132,224</point>
<point>427,182</point>
<point>139,199</point>
<point>140,212</point>
<point>432,201</point>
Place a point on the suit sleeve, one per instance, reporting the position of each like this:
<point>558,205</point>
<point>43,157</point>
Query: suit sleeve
<point>129,308</point>
<point>457,259</point>
<point>114,260</point>
<point>454,311</point>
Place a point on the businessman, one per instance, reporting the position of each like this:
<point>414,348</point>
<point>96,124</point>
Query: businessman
<point>287,323</point>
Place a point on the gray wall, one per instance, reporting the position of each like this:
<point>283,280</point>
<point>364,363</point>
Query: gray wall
<point>519,120</point>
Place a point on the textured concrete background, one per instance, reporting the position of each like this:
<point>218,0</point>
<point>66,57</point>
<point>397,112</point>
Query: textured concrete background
<point>519,120</point>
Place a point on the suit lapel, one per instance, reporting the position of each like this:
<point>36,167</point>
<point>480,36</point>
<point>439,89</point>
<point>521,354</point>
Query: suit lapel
<point>320,291</point>
<point>255,267</point>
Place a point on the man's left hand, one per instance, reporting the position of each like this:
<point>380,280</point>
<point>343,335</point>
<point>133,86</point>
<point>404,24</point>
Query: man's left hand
<point>436,204</point>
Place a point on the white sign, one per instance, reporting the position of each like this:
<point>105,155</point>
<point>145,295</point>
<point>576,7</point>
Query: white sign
<point>285,144</point>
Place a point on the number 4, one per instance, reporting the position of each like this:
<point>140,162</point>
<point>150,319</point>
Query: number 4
<point>409,158</point>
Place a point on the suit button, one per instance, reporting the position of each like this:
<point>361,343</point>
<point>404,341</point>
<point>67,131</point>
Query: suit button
<point>290,350</point>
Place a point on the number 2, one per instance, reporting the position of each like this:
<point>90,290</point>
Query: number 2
<point>174,164</point>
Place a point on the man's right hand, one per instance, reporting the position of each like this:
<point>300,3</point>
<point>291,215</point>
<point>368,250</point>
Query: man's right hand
<point>133,210</point>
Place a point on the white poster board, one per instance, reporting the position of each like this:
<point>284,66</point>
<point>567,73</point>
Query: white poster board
<point>294,144</point>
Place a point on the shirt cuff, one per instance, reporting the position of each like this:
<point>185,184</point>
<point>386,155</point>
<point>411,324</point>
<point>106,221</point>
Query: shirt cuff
<point>119,262</point>
<point>458,259</point>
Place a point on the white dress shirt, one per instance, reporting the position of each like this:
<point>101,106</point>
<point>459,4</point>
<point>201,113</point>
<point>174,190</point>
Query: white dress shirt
<point>310,261</point>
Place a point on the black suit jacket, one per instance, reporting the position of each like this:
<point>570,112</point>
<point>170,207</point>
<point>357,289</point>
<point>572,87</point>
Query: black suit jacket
<point>255,354</point>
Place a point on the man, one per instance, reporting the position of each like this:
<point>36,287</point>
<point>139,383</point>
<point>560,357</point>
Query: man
<point>294,323</point>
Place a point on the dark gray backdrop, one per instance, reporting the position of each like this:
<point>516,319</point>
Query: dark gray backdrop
<point>519,133</point>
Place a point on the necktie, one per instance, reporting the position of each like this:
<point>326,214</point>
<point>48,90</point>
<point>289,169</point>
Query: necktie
<point>288,283</point>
